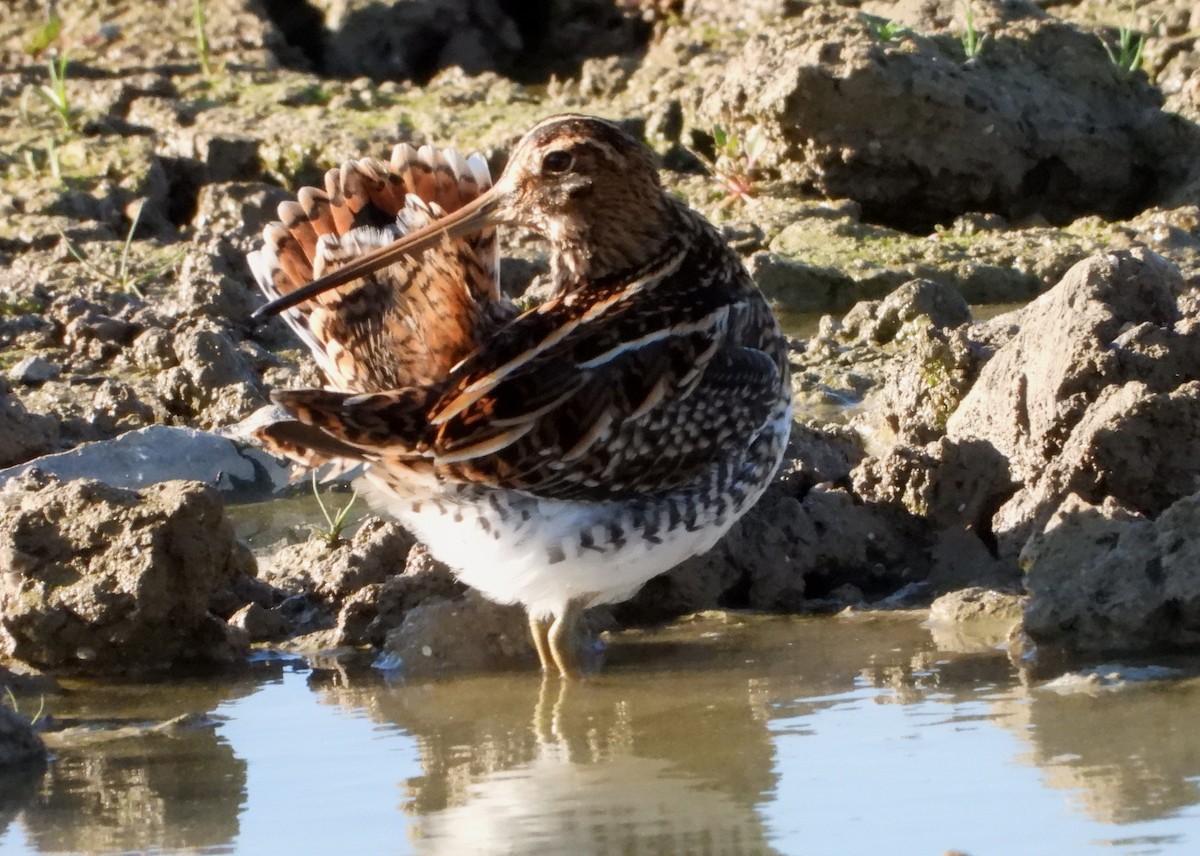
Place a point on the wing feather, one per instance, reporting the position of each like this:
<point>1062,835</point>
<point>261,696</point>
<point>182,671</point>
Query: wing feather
<point>643,398</point>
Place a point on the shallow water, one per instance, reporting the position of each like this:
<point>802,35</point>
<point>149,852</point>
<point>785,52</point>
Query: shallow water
<point>720,735</point>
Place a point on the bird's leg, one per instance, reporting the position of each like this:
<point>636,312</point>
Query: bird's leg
<point>539,629</point>
<point>562,639</point>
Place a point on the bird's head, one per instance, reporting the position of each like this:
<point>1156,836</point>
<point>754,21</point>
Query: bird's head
<point>582,183</point>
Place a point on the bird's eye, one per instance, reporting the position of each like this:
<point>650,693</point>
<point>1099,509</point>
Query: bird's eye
<point>557,161</point>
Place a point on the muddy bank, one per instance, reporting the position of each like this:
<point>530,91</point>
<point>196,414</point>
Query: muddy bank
<point>861,162</point>
<point>101,579</point>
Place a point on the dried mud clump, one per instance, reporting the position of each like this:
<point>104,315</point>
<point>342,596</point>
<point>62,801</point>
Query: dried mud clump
<point>109,580</point>
<point>1039,123</point>
<point>1073,453</point>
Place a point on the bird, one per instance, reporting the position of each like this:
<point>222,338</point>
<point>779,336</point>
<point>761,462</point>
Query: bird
<point>557,457</point>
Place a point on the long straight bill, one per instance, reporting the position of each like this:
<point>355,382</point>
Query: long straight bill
<point>472,217</point>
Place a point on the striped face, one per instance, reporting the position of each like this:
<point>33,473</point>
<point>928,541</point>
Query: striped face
<point>567,166</point>
<point>591,190</point>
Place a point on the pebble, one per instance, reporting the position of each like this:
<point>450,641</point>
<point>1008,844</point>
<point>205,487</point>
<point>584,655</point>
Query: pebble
<point>33,371</point>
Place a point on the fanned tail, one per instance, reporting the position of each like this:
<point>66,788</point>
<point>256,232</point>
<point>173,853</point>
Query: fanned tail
<point>404,327</point>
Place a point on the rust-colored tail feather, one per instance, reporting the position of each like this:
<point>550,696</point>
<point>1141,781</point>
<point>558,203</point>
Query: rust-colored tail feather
<point>408,324</point>
<point>404,327</point>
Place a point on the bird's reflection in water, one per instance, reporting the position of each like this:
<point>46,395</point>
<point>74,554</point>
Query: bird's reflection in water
<point>668,750</point>
<point>640,759</point>
<point>605,774</point>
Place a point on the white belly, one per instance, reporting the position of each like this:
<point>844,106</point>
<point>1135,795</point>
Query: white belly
<point>542,553</point>
<point>541,562</point>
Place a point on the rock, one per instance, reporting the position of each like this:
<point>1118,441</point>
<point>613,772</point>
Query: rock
<point>1028,392</point>
<point>95,336</point>
<point>925,15</point>
<point>1180,82</point>
<point>1120,448</point>
<point>1102,578</point>
<point>116,407</point>
<point>243,589</point>
<point>23,435</point>
<point>223,157</point>
<point>962,561</point>
<point>153,350</point>
<point>948,484</point>
<point>215,380</point>
<point>977,603</point>
<point>1071,394</point>
<point>212,287</point>
<point>1080,416</point>
<point>33,370</point>
<point>412,40</point>
<point>378,550</point>
<point>409,40</point>
<point>356,617</point>
<point>974,619</point>
<point>368,615</point>
<point>259,623</point>
<point>106,580</point>
<point>819,455</point>
<point>921,303</point>
<point>907,358</point>
<point>604,76</point>
<point>921,390</point>
<point>160,453</point>
<point>829,259</point>
<point>797,286</point>
<point>470,634</point>
<point>756,11</point>
<point>227,209</point>
<point>844,541</point>
<point>1038,124</point>
<point>310,626</point>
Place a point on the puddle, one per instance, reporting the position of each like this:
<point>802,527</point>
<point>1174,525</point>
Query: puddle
<point>721,735</point>
<point>295,517</point>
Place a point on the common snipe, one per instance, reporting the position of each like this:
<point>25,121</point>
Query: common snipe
<point>559,457</point>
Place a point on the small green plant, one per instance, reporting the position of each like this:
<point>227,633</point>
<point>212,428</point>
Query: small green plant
<point>734,163</point>
<point>200,27</point>
<point>10,307</point>
<point>972,40</point>
<point>526,302</point>
<point>54,161</point>
<point>45,36</point>
<point>883,29</point>
<point>56,93</point>
<point>120,275</point>
<point>16,708</point>
<point>39,159</point>
<point>313,93</point>
<point>335,523</point>
<point>1128,55</point>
